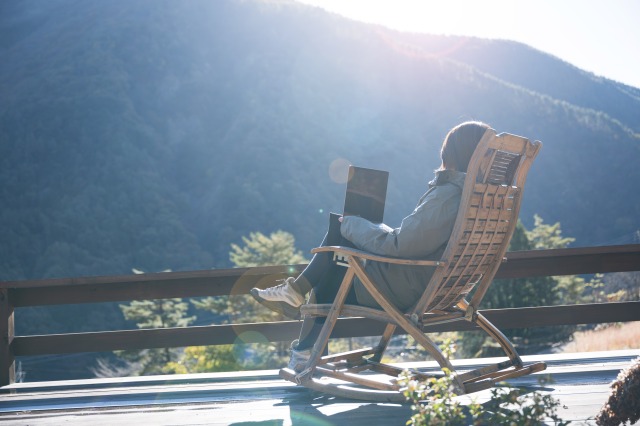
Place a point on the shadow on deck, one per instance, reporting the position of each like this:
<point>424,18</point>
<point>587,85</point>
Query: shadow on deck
<point>580,381</point>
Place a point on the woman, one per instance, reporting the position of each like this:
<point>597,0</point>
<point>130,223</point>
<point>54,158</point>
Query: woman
<point>421,235</point>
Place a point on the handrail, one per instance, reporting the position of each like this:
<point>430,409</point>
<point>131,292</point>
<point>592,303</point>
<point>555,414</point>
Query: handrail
<point>217,282</point>
<point>220,282</point>
<point>571,261</point>
<point>226,334</point>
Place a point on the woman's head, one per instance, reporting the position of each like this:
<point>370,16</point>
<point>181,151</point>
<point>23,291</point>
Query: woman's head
<point>459,144</point>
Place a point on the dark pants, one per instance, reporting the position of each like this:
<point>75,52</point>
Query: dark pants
<point>323,276</point>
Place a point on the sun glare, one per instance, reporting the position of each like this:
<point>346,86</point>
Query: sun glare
<point>593,35</point>
<point>455,17</point>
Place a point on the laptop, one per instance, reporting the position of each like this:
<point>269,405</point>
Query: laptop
<point>366,193</point>
<point>365,196</point>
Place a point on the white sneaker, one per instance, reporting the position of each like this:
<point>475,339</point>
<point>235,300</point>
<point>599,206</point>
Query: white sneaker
<point>282,298</point>
<point>299,359</point>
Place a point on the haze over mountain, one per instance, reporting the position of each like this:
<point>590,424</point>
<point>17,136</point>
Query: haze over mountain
<point>153,134</point>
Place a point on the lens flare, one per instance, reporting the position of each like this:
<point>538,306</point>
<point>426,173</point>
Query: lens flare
<point>339,170</point>
<point>247,337</point>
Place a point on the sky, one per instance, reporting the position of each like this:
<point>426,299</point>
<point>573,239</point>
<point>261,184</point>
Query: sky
<point>599,36</point>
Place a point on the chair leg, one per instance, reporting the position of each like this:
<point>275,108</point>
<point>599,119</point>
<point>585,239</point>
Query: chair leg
<point>486,377</point>
<point>478,319</point>
<point>403,322</point>
<point>323,338</point>
<point>384,342</point>
<point>502,340</point>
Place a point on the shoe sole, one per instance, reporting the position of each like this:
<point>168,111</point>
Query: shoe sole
<point>283,308</point>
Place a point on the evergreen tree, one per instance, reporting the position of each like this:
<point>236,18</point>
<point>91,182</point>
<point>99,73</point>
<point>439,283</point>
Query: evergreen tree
<point>258,250</point>
<point>159,313</point>
<point>571,288</point>
<point>204,359</point>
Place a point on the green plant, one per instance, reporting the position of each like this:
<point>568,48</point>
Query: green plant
<point>516,407</point>
<point>434,402</point>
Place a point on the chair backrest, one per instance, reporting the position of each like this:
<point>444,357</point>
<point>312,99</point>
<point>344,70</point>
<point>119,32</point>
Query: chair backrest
<point>485,223</point>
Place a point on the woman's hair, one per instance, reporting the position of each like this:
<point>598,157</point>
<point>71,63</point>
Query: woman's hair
<point>459,144</point>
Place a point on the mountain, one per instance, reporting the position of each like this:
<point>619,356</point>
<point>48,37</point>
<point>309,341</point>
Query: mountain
<point>526,67</point>
<point>153,134</point>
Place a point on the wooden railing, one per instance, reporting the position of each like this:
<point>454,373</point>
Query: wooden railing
<point>218,282</point>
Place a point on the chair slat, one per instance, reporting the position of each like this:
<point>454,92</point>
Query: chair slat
<point>455,285</point>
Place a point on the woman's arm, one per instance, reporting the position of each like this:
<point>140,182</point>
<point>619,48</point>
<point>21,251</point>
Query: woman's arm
<point>421,233</point>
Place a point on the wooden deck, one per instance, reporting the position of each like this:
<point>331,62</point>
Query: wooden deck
<point>580,382</point>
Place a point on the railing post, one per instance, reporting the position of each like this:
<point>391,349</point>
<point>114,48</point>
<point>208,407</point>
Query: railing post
<point>7,362</point>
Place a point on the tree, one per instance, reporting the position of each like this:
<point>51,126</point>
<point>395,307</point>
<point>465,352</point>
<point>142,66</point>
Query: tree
<point>621,286</point>
<point>159,313</point>
<point>544,236</point>
<point>258,250</point>
<point>571,288</point>
<point>204,359</point>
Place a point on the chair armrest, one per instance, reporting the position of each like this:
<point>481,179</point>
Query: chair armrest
<point>377,258</point>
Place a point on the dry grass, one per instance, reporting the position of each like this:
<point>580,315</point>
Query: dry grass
<point>614,337</point>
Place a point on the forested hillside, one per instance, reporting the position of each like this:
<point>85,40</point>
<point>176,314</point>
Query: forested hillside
<point>153,134</point>
<point>540,72</point>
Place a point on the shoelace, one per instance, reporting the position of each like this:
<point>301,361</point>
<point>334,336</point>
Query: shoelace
<point>276,289</point>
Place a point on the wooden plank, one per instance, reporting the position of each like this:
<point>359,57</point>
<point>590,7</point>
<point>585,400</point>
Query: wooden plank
<point>7,361</point>
<point>518,318</point>
<point>152,278</point>
<point>479,199</point>
<point>288,330</point>
<point>592,313</point>
<point>483,249</point>
<point>155,338</point>
<point>482,236</point>
<point>473,261</point>
<point>493,215</point>
<point>509,142</point>
<point>583,260</point>
<point>357,379</point>
<point>220,282</point>
<point>489,225</point>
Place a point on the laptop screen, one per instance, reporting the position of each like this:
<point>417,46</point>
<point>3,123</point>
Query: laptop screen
<point>366,193</point>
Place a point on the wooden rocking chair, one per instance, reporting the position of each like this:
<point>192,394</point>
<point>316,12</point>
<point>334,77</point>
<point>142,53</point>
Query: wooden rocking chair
<point>484,225</point>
